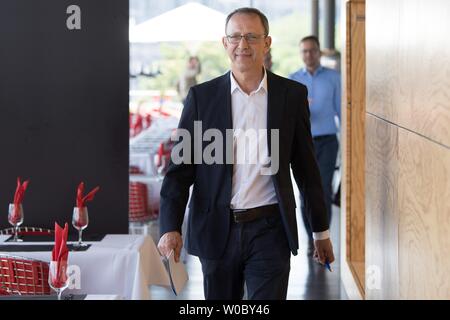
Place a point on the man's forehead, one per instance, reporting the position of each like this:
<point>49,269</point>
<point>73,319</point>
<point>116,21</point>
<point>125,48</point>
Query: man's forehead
<point>245,21</point>
<point>308,43</point>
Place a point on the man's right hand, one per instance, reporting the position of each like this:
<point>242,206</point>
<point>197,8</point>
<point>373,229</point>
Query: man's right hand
<point>171,241</point>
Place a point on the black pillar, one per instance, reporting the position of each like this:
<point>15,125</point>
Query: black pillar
<point>329,22</point>
<point>64,110</point>
<point>315,17</point>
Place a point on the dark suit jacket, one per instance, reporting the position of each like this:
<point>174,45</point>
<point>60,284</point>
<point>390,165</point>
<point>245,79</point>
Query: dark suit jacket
<point>209,208</point>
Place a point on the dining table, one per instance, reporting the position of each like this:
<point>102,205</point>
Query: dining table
<point>118,265</point>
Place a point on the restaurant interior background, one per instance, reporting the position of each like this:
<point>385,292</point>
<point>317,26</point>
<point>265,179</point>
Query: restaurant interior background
<point>163,35</point>
<point>98,103</point>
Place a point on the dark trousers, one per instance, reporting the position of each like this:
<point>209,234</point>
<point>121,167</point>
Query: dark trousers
<point>258,254</point>
<point>326,148</point>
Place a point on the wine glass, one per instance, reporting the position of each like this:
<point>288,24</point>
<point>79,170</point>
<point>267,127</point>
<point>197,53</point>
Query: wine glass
<point>57,277</point>
<point>15,218</point>
<point>80,221</point>
<point>160,164</point>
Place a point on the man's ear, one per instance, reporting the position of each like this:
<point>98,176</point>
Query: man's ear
<point>225,42</point>
<point>267,43</point>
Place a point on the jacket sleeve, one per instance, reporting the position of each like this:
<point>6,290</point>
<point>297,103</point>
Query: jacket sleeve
<point>179,177</point>
<point>305,168</point>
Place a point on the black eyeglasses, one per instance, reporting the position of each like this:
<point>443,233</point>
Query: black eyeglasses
<point>312,51</point>
<point>249,37</point>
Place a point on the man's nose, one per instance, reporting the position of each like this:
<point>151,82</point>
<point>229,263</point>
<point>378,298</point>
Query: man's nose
<point>243,43</point>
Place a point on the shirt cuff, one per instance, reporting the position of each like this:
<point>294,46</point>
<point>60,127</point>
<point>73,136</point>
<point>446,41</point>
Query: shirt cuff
<point>321,235</point>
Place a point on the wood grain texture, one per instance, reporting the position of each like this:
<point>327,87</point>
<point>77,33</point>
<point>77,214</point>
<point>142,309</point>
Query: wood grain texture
<point>381,209</point>
<point>424,211</point>
<point>349,277</point>
<point>353,102</point>
<point>357,107</point>
<point>409,65</point>
<point>408,148</point>
<point>424,68</point>
<point>345,140</point>
<point>381,58</point>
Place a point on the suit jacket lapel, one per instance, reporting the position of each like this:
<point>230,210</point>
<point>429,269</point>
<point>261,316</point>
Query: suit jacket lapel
<point>275,106</point>
<point>227,101</point>
<point>224,99</point>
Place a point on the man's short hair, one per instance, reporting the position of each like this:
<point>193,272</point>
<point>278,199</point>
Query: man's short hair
<point>249,11</point>
<point>311,38</point>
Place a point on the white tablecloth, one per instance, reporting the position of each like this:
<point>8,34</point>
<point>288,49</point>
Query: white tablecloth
<point>103,297</point>
<point>144,146</point>
<point>123,265</point>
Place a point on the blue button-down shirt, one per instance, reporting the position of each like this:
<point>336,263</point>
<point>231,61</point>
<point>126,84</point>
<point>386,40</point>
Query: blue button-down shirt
<point>324,96</point>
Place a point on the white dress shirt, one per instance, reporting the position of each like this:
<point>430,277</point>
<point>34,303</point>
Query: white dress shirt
<point>250,188</point>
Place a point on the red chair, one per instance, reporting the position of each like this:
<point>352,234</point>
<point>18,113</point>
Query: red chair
<point>147,121</point>
<point>28,231</point>
<point>4,292</point>
<point>23,276</point>
<point>135,170</point>
<point>138,202</point>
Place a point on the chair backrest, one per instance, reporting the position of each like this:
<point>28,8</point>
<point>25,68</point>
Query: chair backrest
<point>135,170</point>
<point>138,202</point>
<point>4,292</point>
<point>23,276</point>
<point>24,231</point>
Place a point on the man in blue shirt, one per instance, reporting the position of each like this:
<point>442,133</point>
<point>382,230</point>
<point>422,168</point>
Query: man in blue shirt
<point>324,97</point>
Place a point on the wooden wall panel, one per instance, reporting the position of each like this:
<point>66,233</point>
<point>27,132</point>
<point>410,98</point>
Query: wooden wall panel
<point>424,210</point>
<point>424,68</point>
<point>408,148</point>
<point>357,105</point>
<point>409,65</point>
<point>381,209</point>
<point>353,135</point>
<point>381,58</point>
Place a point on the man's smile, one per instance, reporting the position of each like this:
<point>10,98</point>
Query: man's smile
<point>243,55</point>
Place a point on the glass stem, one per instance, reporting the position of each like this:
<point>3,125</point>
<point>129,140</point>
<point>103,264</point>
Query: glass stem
<point>79,236</point>
<point>59,294</point>
<point>16,233</point>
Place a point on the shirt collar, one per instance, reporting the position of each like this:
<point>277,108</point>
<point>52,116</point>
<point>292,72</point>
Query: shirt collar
<point>319,69</point>
<point>262,84</point>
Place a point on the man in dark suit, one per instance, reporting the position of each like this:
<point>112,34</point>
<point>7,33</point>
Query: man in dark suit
<point>242,222</point>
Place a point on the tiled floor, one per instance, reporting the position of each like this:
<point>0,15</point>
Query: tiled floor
<point>307,280</point>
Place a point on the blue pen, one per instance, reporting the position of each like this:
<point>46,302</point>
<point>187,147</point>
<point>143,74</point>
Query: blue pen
<point>327,265</point>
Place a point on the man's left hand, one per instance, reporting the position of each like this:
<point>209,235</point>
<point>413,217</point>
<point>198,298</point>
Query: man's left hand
<point>324,251</point>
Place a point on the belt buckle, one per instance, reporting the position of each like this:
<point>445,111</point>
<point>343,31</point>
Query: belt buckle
<point>236,212</point>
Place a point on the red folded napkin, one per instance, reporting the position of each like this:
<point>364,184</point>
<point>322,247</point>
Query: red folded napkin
<point>81,201</point>
<point>18,198</point>
<point>138,125</point>
<point>20,191</point>
<point>60,255</point>
<point>162,152</point>
<point>147,121</point>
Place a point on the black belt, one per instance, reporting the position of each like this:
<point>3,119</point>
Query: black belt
<point>324,137</point>
<point>247,215</point>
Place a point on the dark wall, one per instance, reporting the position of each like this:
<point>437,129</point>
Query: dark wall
<point>64,110</point>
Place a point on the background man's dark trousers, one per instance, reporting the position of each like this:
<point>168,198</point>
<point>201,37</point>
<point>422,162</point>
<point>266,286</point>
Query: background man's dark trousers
<point>326,149</point>
<point>258,253</point>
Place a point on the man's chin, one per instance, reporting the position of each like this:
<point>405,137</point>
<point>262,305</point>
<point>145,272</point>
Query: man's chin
<point>242,67</point>
<point>242,70</point>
